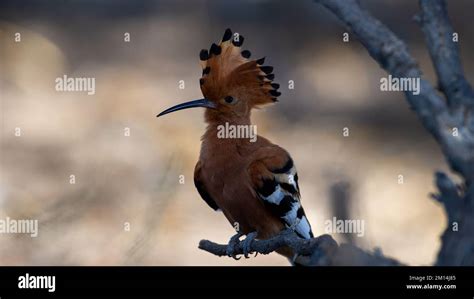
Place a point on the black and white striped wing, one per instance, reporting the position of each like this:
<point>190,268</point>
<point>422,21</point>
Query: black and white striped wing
<point>279,191</point>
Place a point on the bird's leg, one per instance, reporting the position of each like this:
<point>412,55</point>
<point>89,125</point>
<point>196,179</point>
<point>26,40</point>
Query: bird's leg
<point>232,244</point>
<point>247,242</point>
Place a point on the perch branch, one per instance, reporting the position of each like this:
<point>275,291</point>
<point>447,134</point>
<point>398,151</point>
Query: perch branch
<point>321,251</point>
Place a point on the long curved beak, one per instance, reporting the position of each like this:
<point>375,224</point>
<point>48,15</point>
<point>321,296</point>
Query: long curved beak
<point>191,104</point>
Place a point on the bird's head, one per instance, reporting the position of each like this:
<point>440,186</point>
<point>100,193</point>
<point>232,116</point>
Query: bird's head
<point>232,83</point>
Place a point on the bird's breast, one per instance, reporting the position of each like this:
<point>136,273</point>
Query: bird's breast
<point>228,182</point>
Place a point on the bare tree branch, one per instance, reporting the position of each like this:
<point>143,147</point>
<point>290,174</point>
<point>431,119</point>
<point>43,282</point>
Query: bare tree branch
<point>320,251</point>
<point>392,55</point>
<point>444,52</point>
<point>450,119</point>
<point>457,241</point>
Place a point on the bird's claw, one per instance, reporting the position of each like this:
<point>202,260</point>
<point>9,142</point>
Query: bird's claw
<point>247,242</point>
<point>233,242</point>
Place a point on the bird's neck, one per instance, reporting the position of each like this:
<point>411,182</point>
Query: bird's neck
<point>219,123</point>
<point>214,118</point>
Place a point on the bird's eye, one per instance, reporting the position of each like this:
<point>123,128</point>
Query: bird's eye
<point>229,100</point>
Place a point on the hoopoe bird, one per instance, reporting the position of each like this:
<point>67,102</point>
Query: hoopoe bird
<point>254,184</point>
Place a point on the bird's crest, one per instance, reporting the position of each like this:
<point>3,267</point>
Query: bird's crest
<point>227,67</point>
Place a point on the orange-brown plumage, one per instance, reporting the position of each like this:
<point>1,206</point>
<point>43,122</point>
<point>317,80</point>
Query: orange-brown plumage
<point>253,182</point>
<point>230,170</point>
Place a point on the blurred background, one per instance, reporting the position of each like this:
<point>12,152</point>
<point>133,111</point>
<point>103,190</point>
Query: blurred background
<point>134,201</point>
